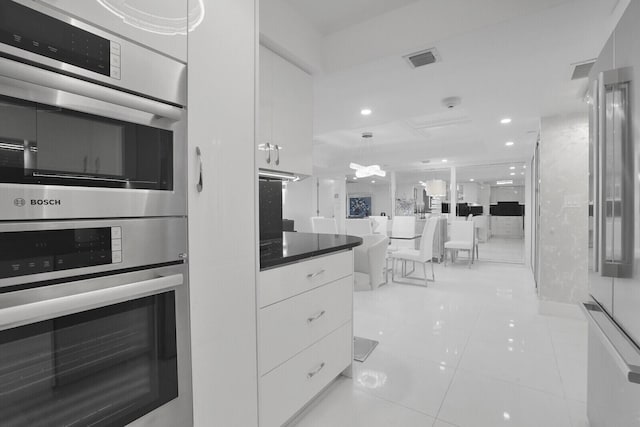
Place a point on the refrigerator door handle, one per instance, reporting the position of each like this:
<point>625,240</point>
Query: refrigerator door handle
<point>621,348</point>
<point>617,226</point>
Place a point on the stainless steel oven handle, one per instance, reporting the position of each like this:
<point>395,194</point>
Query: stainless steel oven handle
<point>619,346</point>
<point>36,311</point>
<point>27,73</point>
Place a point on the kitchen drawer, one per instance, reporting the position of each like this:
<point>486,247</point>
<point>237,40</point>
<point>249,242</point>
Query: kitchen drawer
<point>286,389</point>
<point>292,325</point>
<point>284,282</point>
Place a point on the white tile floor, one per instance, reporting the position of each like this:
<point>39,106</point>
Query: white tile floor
<point>502,249</point>
<point>468,351</point>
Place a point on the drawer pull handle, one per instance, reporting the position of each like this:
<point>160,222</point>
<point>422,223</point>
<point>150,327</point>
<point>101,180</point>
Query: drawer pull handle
<point>316,317</point>
<point>312,275</point>
<point>314,373</point>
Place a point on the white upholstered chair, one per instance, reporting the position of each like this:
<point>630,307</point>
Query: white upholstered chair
<point>358,227</point>
<point>461,238</point>
<point>402,227</point>
<point>422,256</point>
<point>324,225</point>
<point>369,262</point>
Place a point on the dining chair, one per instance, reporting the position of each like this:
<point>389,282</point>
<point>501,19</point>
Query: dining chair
<point>461,238</point>
<point>423,256</point>
<point>323,225</point>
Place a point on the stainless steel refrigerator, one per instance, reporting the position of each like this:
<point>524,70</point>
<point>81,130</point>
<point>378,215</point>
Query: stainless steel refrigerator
<point>613,396</point>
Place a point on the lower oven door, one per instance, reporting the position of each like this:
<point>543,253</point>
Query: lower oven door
<point>109,351</point>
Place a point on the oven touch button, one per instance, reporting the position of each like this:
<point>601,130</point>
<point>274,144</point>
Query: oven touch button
<point>116,257</point>
<point>116,232</point>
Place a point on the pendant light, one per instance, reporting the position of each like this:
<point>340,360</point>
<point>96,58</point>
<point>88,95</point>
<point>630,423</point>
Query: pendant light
<point>363,171</point>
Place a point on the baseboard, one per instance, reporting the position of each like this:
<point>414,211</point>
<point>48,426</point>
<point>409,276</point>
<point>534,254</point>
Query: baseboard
<point>560,309</point>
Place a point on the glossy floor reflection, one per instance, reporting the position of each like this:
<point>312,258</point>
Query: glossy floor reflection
<point>470,350</point>
<point>502,249</point>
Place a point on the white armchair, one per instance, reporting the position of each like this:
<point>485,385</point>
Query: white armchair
<point>369,262</point>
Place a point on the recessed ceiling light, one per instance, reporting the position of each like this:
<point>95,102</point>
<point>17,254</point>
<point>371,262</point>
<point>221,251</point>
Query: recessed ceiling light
<point>366,111</point>
<point>509,143</point>
<point>355,178</point>
<point>521,173</point>
<point>512,167</point>
<point>444,160</point>
<point>373,181</point>
<point>505,121</point>
<point>524,166</point>
<point>471,180</point>
<point>512,173</point>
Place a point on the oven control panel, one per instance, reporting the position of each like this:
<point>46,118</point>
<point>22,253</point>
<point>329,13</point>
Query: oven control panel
<point>30,252</point>
<point>36,32</point>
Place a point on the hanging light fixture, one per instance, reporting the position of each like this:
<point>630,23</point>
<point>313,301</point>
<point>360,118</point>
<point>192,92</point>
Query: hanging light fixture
<point>366,171</point>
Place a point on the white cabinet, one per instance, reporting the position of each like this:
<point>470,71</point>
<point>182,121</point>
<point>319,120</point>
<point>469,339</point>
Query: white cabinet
<point>305,332</point>
<point>507,226</point>
<point>222,222</point>
<point>285,116</point>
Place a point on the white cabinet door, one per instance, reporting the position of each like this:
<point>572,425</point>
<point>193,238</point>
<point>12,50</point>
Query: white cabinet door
<point>285,116</point>
<point>292,116</point>
<point>290,386</point>
<point>292,325</point>
<point>265,113</point>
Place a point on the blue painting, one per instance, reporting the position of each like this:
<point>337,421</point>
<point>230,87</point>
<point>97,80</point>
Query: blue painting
<point>359,207</point>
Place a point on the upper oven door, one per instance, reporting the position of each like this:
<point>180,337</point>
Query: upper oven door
<point>74,149</point>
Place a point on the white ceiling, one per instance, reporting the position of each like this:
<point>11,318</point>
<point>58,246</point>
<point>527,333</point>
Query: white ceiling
<point>502,57</point>
<point>329,16</point>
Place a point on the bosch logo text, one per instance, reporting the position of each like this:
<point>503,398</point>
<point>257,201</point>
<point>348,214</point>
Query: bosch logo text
<point>45,202</point>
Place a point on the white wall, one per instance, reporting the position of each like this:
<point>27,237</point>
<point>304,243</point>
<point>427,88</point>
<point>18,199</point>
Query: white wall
<point>222,219</point>
<point>380,197</point>
<point>285,31</point>
<point>484,198</point>
<point>504,193</point>
<point>298,201</point>
<point>314,196</point>
<point>564,169</point>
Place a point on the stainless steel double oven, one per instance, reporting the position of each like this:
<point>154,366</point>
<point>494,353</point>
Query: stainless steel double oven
<point>94,300</point>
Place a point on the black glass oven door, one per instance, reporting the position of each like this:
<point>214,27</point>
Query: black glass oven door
<point>41,144</point>
<point>103,367</point>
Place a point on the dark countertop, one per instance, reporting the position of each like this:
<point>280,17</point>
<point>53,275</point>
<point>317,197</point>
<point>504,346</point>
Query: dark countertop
<point>298,246</point>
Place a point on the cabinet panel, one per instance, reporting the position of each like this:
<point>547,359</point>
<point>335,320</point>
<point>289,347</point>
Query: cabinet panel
<point>284,282</point>
<point>626,288</point>
<point>265,113</point>
<point>289,387</point>
<point>290,326</point>
<point>292,116</point>
<point>285,116</point>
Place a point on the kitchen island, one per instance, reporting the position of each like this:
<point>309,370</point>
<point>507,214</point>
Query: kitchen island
<point>305,320</point>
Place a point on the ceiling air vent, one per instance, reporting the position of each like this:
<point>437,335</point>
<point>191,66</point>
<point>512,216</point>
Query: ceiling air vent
<point>424,57</point>
<point>582,69</point>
